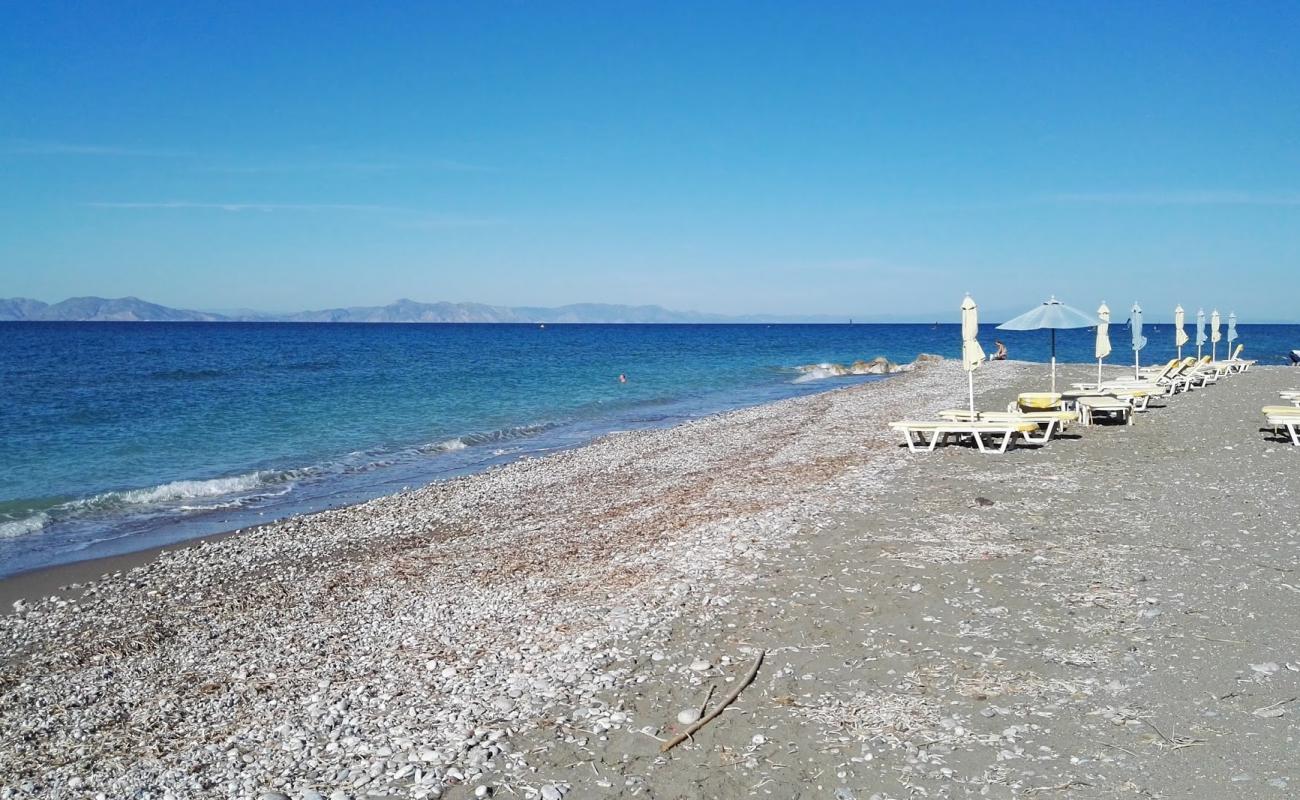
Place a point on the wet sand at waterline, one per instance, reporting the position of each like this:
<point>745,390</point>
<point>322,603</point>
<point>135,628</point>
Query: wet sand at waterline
<point>1114,614</point>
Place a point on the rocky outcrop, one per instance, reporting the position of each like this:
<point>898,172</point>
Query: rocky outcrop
<point>876,366</point>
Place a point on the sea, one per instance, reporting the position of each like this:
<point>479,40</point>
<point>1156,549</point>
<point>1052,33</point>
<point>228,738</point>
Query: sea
<point>118,437</point>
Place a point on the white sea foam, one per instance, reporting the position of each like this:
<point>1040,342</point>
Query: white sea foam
<point>19,527</point>
<point>176,490</point>
<point>817,372</point>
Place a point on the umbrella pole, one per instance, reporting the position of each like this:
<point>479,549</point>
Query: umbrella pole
<point>970,380</point>
<point>1180,352</point>
<point>1053,360</point>
<point>1137,363</point>
<point>1099,373</point>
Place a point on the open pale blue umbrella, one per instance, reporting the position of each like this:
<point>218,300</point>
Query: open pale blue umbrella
<point>1200,332</point>
<point>1139,341</point>
<point>1052,315</point>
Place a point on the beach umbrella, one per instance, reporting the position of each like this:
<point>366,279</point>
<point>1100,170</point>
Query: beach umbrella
<point>1052,315</point>
<point>1180,335</point>
<point>1139,341</point>
<point>1215,336</point>
<point>1103,337</point>
<point>971,352</point>
<point>1232,330</point>
<point>1200,331</point>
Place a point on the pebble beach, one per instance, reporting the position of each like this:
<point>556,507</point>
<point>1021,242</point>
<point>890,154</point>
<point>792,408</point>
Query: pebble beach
<point>1114,614</point>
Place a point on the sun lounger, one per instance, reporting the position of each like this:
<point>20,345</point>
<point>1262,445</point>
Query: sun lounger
<point>1037,401</point>
<point>914,433</point>
<point>1208,371</point>
<point>1151,373</point>
<point>1284,417</point>
<point>1139,398</point>
<point>1090,406</point>
<point>1236,363</point>
<point>1165,380</point>
<point>1052,422</point>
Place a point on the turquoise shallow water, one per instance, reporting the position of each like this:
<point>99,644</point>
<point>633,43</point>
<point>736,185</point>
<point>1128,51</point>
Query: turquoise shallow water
<point>117,436</point>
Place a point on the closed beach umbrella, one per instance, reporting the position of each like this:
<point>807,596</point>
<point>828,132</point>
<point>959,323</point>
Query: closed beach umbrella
<point>1103,337</point>
<point>1232,330</point>
<point>1052,315</point>
<point>1215,336</point>
<point>1180,335</point>
<point>971,352</point>
<point>1200,331</point>
<point>1139,341</point>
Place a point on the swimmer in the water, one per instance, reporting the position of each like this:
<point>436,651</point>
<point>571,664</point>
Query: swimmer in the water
<point>622,377</point>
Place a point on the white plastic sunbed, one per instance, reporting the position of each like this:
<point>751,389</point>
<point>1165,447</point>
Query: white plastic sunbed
<point>1236,363</point>
<point>1090,406</point>
<point>1052,422</point>
<point>1284,417</point>
<point>914,433</point>
<point>1138,398</point>
<point>1168,379</point>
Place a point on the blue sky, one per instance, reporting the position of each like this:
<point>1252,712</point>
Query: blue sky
<point>845,159</point>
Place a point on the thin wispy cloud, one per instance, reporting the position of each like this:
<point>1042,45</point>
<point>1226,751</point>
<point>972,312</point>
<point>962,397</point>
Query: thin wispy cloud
<point>245,206</point>
<point>358,166</point>
<point>407,217</point>
<point>35,148</point>
<point>214,163</point>
<point>1180,198</point>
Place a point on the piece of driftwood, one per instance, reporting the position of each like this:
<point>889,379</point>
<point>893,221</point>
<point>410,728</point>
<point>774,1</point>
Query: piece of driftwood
<point>704,706</point>
<point>722,704</point>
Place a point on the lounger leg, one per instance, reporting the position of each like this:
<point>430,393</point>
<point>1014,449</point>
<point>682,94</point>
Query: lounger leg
<point>1295,436</point>
<point>916,442</point>
<point>1007,439</point>
<point>1045,436</point>
<point>979,442</point>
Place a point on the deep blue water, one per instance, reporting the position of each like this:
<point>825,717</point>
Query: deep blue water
<point>120,436</point>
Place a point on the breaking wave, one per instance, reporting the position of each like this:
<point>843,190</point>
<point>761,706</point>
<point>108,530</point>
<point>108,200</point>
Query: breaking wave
<point>23,526</point>
<point>186,497</point>
<point>177,490</point>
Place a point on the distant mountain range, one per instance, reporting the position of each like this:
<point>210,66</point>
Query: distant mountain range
<point>133,309</point>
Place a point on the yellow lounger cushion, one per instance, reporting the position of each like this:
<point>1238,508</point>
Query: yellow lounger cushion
<point>1282,411</point>
<point>1043,400</point>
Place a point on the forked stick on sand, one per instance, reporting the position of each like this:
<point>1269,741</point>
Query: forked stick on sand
<point>722,704</point>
